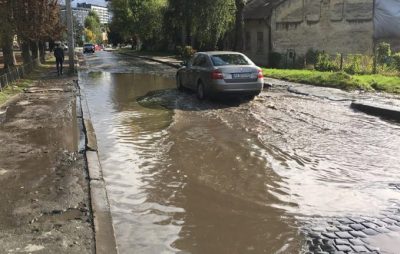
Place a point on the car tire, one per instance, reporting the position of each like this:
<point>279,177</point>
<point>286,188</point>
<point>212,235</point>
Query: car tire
<point>201,92</point>
<point>179,85</point>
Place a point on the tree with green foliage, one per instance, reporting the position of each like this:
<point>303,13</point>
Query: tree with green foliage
<point>239,25</point>
<point>200,23</point>
<point>79,30</point>
<point>139,20</point>
<point>93,28</point>
<point>34,21</point>
<point>212,20</point>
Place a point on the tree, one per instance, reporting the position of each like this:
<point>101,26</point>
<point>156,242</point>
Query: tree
<point>7,33</point>
<point>93,28</point>
<point>239,25</point>
<point>139,20</point>
<point>78,31</point>
<point>35,22</point>
<point>212,20</point>
<point>201,23</point>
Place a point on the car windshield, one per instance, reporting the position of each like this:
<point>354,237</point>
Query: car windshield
<point>229,59</point>
<point>88,45</point>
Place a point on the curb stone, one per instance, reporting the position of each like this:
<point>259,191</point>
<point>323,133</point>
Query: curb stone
<point>388,112</point>
<point>105,242</point>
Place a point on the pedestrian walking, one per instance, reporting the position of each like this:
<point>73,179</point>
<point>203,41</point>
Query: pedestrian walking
<point>59,55</point>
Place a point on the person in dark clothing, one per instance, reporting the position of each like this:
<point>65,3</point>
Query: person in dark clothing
<point>59,55</point>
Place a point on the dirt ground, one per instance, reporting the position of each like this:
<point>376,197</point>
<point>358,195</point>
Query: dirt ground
<point>44,202</point>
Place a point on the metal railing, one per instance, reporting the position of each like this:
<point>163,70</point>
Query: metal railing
<point>14,74</point>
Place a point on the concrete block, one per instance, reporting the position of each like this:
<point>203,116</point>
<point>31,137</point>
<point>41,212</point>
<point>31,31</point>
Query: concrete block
<point>94,167</point>
<point>91,135</point>
<point>103,227</point>
<point>389,112</point>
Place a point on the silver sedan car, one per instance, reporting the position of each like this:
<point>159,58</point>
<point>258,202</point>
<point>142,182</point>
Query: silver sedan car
<point>211,73</point>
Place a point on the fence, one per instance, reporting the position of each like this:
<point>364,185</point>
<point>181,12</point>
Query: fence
<point>14,74</point>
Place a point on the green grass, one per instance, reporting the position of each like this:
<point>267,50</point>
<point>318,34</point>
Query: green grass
<point>18,87</point>
<point>14,89</point>
<point>341,80</point>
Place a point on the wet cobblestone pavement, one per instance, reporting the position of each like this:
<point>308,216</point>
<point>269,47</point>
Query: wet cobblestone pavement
<point>355,234</point>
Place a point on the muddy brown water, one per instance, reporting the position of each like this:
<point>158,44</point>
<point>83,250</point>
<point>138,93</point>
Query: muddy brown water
<point>185,176</point>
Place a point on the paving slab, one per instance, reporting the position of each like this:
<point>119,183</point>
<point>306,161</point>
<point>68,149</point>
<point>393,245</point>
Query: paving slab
<point>386,111</point>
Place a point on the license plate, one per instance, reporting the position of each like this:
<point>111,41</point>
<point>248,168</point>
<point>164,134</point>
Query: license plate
<point>241,75</point>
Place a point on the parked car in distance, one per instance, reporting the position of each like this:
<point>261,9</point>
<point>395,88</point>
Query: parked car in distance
<point>98,47</point>
<point>88,48</point>
<point>220,72</point>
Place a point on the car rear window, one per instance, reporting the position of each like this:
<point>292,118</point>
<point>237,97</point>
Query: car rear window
<point>88,45</point>
<point>229,59</point>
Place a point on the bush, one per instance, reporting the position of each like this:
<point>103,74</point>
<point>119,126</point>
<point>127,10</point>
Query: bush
<point>383,53</point>
<point>396,61</point>
<point>275,59</point>
<point>325,63</point>
<point>353,64</point>
<point>185,52</point>
<point>367,64</point>
<point>311,56</point>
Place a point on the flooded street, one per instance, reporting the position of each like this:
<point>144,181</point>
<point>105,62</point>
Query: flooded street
<point>284,173</point>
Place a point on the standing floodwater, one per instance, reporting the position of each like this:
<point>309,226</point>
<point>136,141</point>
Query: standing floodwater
<point>274,175</point>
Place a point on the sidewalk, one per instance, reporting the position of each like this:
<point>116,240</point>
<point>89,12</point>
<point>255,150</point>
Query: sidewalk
<point>45,204</point>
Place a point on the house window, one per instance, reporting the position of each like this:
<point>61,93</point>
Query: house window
<point>260,42</point>
<point>248,41</point>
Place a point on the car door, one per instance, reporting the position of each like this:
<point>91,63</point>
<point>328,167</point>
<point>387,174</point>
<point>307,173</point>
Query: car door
<point>204,73</point>
<point>198,69</point>
<point>194,71</point>
<point>188,72</point>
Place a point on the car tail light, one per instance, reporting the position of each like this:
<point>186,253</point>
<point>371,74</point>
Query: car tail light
<point>217,74</point>
<point>260,74</point>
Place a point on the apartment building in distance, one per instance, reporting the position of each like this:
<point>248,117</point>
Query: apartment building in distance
<point>101,11</point>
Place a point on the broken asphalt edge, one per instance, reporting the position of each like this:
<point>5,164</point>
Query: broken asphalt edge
<point>104,236</point>
<point>384,111</point>
<point>176,66</point>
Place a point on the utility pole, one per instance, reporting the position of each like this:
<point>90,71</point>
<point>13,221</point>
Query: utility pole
<point>70,26</point>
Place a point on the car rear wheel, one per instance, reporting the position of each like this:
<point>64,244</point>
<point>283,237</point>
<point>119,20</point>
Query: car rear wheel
<point>201,94</point>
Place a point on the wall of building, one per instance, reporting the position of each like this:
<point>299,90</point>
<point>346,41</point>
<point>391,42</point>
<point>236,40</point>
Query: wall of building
<point>257,41</point>
<point>336,26</point>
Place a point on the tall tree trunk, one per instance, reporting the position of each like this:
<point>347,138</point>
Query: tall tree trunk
<point>26,53</point>
<point>42,51</point>
<point>35,51</point>
<point>239,26</point>
<point>183,34</point>
<point>8,52</point>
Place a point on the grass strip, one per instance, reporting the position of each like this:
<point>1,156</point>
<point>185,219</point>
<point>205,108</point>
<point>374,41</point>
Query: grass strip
<point>18,86</point>
<point>14,89</point>
<point>341,80</point>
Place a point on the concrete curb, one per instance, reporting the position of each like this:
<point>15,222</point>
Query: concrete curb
<point>385,111</point>
<point>105,242</point>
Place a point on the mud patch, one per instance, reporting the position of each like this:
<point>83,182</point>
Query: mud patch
<point>44,206</point>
